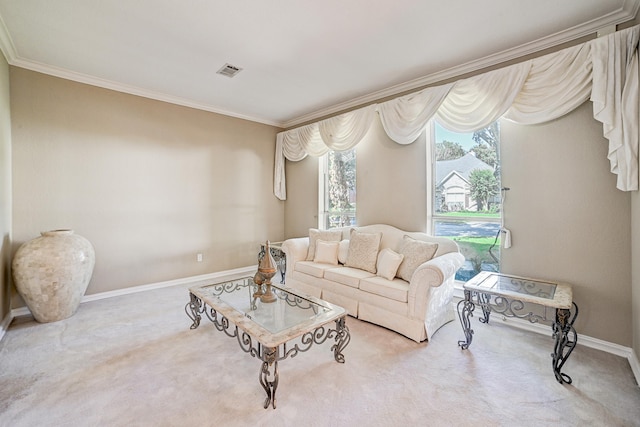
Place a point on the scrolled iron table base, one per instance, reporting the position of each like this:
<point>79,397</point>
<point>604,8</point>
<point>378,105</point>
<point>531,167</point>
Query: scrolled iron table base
<point>270,356</point>
<point>566,338</point>
<point>564,334</point>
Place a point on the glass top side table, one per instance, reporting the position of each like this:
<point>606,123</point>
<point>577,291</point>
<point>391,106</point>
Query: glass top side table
<point>506,295</point>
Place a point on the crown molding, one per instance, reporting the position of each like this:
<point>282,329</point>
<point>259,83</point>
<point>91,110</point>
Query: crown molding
<point>625,13</point>
<point>129,89</point>
<point>6,44</point>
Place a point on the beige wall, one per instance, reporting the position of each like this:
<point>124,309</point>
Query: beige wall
<point>635,258</point>
<point>150,184</point>
<point>301,207</point>
<point>391,188</point>
<point>635,253</point>
<point>5,189</point>
<point>568,221</point>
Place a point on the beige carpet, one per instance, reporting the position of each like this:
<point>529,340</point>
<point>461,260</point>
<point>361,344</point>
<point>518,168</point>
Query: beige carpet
<point>133,361</point>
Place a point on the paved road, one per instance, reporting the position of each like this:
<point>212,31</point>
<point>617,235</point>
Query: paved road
<point>476,229</point>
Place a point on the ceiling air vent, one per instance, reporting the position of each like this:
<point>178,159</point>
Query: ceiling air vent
<point>229,70</point>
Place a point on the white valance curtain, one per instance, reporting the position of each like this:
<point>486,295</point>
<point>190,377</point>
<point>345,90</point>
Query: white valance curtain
<point>604,70</point>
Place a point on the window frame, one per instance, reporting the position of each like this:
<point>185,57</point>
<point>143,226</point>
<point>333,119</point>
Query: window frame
<point>432,216</point>
<point>323,183</point>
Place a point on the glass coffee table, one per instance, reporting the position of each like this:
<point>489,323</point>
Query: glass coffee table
<point>512,296</point>
<point>267,330</point>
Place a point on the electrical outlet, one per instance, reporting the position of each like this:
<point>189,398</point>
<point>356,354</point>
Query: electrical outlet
<point>199,257</point>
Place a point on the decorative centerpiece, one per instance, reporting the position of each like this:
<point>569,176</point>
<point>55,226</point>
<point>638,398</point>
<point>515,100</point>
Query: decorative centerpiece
<point>52,272</point>
<point>258,280</point>
<point>266,269</point>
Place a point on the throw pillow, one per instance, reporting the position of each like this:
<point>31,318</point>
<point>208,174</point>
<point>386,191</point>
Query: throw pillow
<point>343,251</point>
<point>363,250</point>
<point>326,252</point>
<point>326,235</point>
<point>415,253</point>
<point>388,263</point>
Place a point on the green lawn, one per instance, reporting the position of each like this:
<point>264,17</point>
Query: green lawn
<point>480,244</point>
<point>476,249</point>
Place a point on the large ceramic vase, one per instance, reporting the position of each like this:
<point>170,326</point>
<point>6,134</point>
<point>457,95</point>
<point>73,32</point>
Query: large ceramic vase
<point>52,273</point>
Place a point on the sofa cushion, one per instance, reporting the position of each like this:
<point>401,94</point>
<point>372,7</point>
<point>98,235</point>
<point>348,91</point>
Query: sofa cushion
<point>311,268</point>
<point>347,275</point>
<point>388,263</point>
<point>343,251</point>
<point>326,235</point>
<point>396,289</point>
<point>363,250</point>
<point>415,253</point>
<point>326,252</point>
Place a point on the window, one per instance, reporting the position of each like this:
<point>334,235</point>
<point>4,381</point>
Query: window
<point>465,194</point>
<point>337,202</point>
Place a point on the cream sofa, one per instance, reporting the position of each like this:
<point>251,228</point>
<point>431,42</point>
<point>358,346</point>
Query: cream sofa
<point>416,308</point>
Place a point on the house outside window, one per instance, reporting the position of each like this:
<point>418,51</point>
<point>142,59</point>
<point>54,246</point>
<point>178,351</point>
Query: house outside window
<point>465,195</point>
<point>337,189</point>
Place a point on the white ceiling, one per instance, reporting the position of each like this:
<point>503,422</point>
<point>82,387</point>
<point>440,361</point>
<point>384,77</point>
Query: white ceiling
<point>301,60</point>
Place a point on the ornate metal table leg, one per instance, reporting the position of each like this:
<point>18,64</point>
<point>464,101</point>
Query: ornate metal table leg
<point>484,300</point>
<point>343,336</point>
<point>283,268</point>
<point>465,310</point>
<point>269,358</point>
<point>196,307</point>
<point>565,337</point>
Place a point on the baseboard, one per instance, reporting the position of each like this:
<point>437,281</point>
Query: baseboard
<point>635,366</point>
<point>191,281</point>
<point>585,340</point>
<point>4,326</point>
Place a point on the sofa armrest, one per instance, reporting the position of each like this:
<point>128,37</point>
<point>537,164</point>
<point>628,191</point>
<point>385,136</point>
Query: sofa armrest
<point>429,276</point>
<point>295,250</point>
<point>435,271</point>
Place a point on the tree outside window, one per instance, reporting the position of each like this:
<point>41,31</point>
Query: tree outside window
<point>483,186</point>
<point>339,208</point>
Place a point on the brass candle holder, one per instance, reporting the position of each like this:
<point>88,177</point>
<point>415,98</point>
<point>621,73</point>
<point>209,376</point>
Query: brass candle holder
<point>267,269</point>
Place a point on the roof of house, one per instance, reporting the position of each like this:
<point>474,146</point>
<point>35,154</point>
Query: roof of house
<point>462,166</point>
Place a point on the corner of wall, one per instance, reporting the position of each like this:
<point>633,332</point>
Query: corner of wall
<point>5,194</point>
<point>635,280</point>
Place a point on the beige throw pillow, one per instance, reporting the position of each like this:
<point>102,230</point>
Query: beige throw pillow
<point>415,253</point>
<point>363,250</point>
<point>326,252</point>
<point>388,263</point>
<point>326,235</point>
